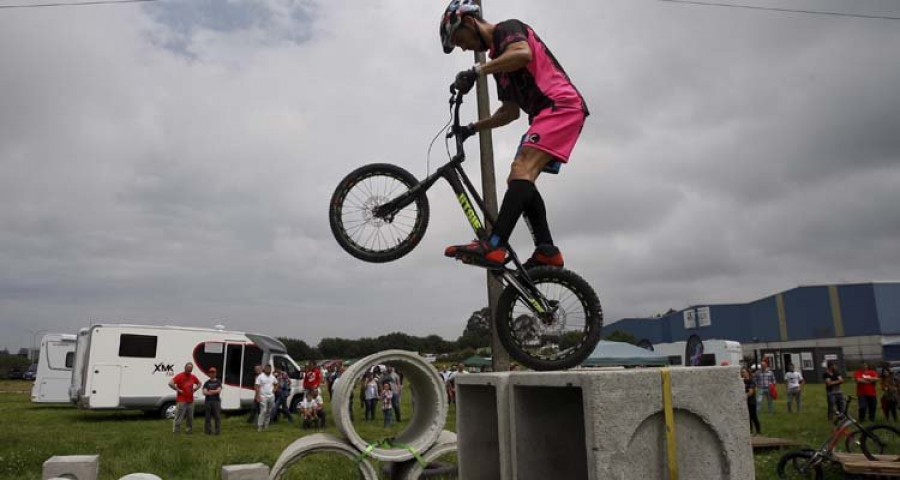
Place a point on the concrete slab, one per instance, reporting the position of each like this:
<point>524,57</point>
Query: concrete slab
<point>247,471</point>
<point>140,476</point>
<point>72,467</point>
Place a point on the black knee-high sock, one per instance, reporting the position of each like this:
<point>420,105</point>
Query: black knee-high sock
<point>536,218</point>
<point>518,195</point>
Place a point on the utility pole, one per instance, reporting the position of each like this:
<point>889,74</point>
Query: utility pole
<point>500,358</point>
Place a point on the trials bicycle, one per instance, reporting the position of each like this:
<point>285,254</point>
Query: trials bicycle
<point>872,440</point>
<point>548,318</point>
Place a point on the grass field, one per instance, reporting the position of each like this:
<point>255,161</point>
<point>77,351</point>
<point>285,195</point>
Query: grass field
<point>130,442</point>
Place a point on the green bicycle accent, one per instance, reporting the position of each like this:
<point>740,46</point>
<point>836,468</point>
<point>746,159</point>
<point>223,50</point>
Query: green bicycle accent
<point>469,211</point>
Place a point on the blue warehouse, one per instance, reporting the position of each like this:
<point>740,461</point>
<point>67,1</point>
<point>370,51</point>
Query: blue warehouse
<point>805,326</point>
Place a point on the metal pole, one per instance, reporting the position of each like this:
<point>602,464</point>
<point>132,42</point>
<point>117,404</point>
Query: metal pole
<point>500,358</point>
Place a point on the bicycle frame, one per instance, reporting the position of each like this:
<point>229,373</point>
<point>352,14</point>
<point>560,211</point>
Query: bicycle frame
<point>843,429</point>
<point>465,192</point>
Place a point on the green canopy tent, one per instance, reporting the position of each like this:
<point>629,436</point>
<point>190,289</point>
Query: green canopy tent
<point>615,354</point>
<point>477,362</point>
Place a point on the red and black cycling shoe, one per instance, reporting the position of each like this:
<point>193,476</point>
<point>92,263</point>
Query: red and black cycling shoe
<point>479,252</point>
<point>545,256</point>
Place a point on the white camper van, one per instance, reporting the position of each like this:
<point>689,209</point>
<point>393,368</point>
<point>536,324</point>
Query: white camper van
<point>54,371</point>
<point>130,366</point>
<point>711,352</point>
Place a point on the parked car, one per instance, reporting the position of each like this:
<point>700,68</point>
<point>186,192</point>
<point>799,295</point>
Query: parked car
<point>15,373</point>
<point>31,373</point>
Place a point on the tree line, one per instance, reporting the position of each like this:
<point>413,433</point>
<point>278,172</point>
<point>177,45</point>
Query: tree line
<point>477,334</point>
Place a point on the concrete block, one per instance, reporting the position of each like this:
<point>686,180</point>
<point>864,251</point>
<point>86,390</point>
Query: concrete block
<point>320,443</point>
<point>140,476</point>
<point>482,419</point>
<point>610,424</point>
<point>248,471</point>
<point>429,414</point>
<point>73,467</point>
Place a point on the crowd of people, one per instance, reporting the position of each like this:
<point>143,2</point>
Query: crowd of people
<point>759,387</point>
<point>273,391</point>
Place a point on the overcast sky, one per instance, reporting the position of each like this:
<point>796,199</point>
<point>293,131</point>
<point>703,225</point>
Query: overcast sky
<point>172,162</point>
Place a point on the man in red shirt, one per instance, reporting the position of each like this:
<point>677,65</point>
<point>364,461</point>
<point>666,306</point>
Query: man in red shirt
<point>866,379</point>
<point>185,383</point>
<point>312,378</point>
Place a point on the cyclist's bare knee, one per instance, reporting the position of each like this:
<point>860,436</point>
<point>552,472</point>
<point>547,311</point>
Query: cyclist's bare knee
<point>528,164</point>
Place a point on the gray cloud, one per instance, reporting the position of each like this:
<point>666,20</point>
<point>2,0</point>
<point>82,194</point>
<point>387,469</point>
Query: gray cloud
<point>173,163</point>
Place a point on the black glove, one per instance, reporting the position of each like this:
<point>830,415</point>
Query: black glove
<point>464,131</point>
<point>465,80</point>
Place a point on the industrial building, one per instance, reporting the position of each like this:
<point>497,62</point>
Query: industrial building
<point>804,326</point>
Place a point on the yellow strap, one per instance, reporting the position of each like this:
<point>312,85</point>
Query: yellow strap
<point>671,452</point>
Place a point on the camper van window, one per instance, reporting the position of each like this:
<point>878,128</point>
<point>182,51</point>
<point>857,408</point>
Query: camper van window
<point>140,346</point>
<point>70,359</point>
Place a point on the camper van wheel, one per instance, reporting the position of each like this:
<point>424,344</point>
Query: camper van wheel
<point>167,411</point>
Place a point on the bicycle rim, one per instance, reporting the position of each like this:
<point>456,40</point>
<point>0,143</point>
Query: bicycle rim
<point>882,440</point>
<point>362,233</point>
<point>558,341</point>
<point>798,465</point>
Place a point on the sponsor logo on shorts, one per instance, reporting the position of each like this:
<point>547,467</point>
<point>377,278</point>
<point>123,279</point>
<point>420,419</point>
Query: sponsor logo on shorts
<point>533,138</point>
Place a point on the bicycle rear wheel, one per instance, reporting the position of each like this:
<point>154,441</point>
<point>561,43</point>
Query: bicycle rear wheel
<point>564,339</point>
<point>881,440</point>
<point>797,465</point>
<point>361,232</point>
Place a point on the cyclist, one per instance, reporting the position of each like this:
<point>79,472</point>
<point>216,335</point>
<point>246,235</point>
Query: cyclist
<point>529,78</point>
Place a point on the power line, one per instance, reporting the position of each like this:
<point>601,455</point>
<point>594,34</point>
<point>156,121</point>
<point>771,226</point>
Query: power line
<point>75,4</point>
<point>789,10</point>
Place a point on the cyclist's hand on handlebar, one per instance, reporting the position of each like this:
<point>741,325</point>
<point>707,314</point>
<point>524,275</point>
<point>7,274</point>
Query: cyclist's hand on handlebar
<point>465,80</point>
<point>464,131</point>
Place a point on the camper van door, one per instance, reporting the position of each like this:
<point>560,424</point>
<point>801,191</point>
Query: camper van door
<point>231,376</point>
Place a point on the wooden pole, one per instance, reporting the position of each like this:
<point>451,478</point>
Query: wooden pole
<point>500,358</point>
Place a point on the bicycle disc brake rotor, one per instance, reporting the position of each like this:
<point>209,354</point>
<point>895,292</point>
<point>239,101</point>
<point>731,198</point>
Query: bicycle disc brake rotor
<point>368,211</point>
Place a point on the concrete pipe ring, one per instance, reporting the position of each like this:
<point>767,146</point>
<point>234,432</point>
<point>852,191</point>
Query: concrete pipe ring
<point>429,415</point>
<point>413,470</point>
<point>319,443</point>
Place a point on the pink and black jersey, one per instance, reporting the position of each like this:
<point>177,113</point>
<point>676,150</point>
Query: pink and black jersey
<point>539,85</point>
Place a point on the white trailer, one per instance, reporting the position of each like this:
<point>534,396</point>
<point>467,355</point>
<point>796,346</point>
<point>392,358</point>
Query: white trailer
<point>54,371</point>
<point>130,366</point>
<point>712,352</point>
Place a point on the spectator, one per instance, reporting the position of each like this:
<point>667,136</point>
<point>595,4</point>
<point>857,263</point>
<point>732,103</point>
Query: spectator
<point>764,378</point>
<point>266,384</point>
<point>254,412</point>
<point>835,396</point>
<point>213,403</point>
<point>396,382</point>
<point>750,393</point>
<point>370,395</point>
<point>313,411</point>
<point>386,403</point>
<point>312,378</point>
<point>185,383</point>
<point>451,382</point>
<point>337,380</point>
<point>282,394</point>
<point>794,381</point>
<point>889,395</point>
<point>866,379</point>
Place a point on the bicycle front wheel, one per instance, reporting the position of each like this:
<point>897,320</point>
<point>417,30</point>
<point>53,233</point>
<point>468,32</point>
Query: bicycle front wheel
<point>563,339</point>
<point>881,440</point>
<point>797,465</point>
<point>366,235</point>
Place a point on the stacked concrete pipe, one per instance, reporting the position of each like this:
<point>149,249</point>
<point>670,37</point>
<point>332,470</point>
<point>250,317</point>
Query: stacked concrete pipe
<point>429,415</point>
<point>319,443</point>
